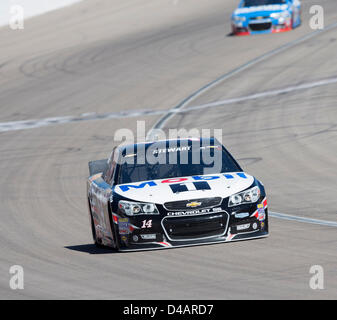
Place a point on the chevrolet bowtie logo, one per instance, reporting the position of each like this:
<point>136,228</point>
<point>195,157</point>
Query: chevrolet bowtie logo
<point>193,204</point>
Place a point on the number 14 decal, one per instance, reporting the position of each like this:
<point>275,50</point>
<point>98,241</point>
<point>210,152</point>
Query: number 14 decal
<point>147,224</point>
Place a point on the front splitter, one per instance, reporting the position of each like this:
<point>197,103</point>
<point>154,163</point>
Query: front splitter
<point>171,245</point>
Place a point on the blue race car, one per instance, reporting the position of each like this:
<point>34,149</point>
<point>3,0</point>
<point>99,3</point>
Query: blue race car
<point>266,16</point>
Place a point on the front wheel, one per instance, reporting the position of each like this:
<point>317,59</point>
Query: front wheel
<point>116,238</point>
<point>96,240</point>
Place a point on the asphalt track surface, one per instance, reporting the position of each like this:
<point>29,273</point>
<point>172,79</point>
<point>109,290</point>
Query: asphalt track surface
<point>105,57</point>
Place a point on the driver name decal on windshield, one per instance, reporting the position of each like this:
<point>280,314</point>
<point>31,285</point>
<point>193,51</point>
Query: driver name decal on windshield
<point>175,149</point>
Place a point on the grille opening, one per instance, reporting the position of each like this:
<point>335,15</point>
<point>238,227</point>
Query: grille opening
<point>260,26</point>
<point>258,18</point>
<point>183,205</point>
<point>196,227</point>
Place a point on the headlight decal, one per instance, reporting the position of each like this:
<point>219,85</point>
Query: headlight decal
<point>281,16</point>
<point>245,197</point>
<point>239,18</point>
<point>137,208</point>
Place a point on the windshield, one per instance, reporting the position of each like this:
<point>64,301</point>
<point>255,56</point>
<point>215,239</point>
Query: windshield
<point>253,3</point>
<point>178,162</point>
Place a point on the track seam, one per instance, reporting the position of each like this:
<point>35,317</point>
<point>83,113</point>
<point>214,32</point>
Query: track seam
<point>34,124</point>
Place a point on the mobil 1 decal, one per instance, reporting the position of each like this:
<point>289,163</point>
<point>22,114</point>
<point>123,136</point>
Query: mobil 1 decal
<point>190,186</point>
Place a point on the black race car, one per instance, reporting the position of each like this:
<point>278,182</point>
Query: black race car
<point>173,193</point>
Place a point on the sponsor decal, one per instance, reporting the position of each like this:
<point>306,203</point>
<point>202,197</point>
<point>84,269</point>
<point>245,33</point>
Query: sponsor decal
<point>193,204</point>
<point>148,236</point>
<point>194,212</point>
<point>241,215</point>
<point>123,224</point>
<point>123,231</point>
<point>201,179</point>
<point>261,212</point>
<point>125,188</point>
<point>243,227</point>
<point>190,186</point>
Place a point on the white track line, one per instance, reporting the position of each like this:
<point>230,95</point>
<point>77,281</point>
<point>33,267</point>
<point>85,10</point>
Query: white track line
<point>161,122</point>
<point>284,216</point>
<point>33,124</point>
<point>38,123</point>
<point>261,95</point>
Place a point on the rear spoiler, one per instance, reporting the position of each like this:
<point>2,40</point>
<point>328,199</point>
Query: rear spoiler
<point>97,166</point>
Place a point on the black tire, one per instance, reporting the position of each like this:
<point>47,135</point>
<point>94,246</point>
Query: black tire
<point>97,242</point>
<point>117,243</point>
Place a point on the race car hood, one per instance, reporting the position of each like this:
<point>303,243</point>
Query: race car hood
<point>186,188</point>
<point>260,10</point>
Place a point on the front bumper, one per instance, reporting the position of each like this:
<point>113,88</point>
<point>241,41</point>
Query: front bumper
<point>252,27</point>
<point>210,226</point>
